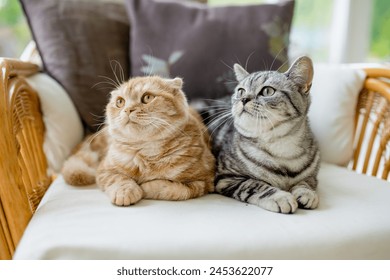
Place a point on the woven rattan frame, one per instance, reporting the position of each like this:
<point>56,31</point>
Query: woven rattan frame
<point>23,176</point>
<point>372,125</point>
<point>23,167</point>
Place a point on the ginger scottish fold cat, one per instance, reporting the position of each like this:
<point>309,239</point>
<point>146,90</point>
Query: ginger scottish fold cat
<point>153,146</point>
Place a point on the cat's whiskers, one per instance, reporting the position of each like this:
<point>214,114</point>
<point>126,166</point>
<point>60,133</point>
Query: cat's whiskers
<point>261,127</point>
<point>113,86</point>
<point>168,126</point>
<point>257,119</point>
<point>222,118</point>
<point>228,66</point>
<point>263,114</point>
<point>156,126</point>
<point>231,82</point>
<point>99,125</point>
<point>275,58</point>
<point>214,108</point>
<point>142,115</point>
<point>107,81</point>
<point>247,60</point>
<point>114,70</point>
<point>97,117</point>
<point>270,112</point>
<point>219,112</point>
<point>217,105</point>
<point>284,63</point>
<point>215,118</point>
<point>267,113</point>
<point>117,85</point>
<point>231,121</point>
<point>94,136</point>
<point>213,100</point>
<point>151,65</point>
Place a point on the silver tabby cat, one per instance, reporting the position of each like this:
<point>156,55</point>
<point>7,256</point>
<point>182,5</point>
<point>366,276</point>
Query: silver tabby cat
<point>267,155</point>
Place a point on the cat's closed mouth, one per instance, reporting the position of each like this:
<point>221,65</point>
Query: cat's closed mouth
<point>245,111</point>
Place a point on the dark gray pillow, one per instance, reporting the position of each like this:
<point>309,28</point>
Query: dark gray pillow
<point>77,40</point>
<point>201,43</point>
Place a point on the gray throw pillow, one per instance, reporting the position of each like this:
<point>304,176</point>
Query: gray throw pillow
<point>77,40</point>
<point>201,43</point>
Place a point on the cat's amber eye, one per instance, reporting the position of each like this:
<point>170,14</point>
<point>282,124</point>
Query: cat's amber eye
<point>267,91</point>
<point>120,102</point>
<point>240,92</point>
<point>146,98</point>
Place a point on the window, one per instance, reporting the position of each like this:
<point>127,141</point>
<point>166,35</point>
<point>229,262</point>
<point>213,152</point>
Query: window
<point>14,32</point>
<point>337,30</point>
<point>380,32</point>
<point>310,32</point>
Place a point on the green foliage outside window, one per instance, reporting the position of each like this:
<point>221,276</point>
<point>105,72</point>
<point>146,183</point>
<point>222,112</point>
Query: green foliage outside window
<point>380,31</point>
<point>14,32</point>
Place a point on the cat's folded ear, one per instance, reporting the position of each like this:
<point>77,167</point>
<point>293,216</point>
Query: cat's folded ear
<point>301,72</point>
<point>240,72</point>
<point>176,83</point>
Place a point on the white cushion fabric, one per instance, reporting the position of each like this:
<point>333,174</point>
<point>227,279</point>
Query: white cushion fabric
<point>31,54</point>
<point>63,128</point>
<point>80,223</point>
<point>332,114</point>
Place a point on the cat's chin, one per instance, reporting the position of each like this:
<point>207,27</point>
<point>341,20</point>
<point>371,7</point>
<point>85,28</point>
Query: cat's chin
<point>249,126</point>
<point>127,131</point>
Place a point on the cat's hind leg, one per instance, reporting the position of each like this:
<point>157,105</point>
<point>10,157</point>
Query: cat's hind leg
<point>171,190</point>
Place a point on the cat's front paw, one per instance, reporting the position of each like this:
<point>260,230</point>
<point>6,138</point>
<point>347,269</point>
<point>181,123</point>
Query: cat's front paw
<point>124,195</point>
<point>306,198</point>
<point>280,202</point>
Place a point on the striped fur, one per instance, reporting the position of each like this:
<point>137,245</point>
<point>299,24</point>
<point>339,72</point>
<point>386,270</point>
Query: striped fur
<point>266,152</point>
<point>153,146</point>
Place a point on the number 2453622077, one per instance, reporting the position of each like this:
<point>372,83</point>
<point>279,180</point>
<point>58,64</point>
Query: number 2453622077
<point>229,270</point>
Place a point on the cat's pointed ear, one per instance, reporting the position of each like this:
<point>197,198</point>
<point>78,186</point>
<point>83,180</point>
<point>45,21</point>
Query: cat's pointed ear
<point>240,72</point>
<point>176,83</point>
<point>301,72</point>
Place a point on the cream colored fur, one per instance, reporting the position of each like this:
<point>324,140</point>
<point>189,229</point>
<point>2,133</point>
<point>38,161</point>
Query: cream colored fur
<point>153,146</point>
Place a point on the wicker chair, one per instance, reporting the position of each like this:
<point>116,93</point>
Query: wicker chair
<point>372,123</point>
<point>23,175</point>
<point>23,167</point>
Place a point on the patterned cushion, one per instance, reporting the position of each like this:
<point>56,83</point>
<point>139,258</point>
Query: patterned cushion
<point>201,43</point>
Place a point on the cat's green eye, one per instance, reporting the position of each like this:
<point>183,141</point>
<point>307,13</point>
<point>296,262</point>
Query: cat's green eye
<point>120,102</point>
<point>146,98</point>
<point>267,91</point>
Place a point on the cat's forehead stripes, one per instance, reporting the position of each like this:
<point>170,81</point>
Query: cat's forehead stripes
<point>256,79</point>
<point>140,87</point>
<point>263,78</point>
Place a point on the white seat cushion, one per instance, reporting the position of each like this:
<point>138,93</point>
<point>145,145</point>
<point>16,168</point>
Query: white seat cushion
<point>80,223</point>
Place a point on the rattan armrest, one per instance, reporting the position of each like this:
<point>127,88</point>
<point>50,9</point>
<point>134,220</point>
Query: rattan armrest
<point>372,125</point>
<point>23,167</point>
